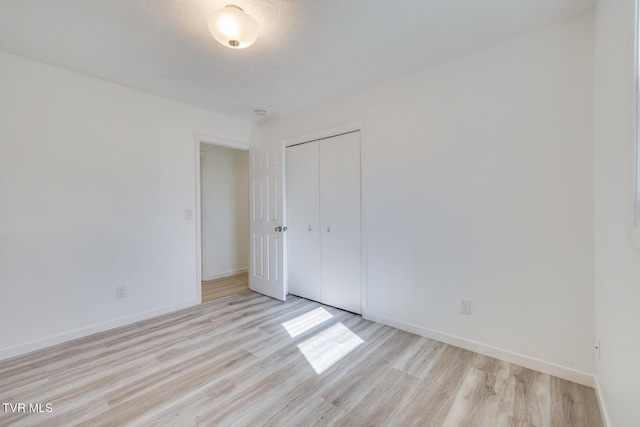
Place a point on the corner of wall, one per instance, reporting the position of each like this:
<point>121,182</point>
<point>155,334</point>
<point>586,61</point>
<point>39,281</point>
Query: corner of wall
<point>601,403</point>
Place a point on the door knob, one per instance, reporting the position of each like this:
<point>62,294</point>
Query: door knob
<point>279,229</point>
<point>309,228</point>
<point>328,229</point>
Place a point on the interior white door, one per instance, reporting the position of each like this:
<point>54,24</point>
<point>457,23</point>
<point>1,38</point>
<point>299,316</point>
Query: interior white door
<point>303,210</point>
<point>339,171</point>
<point>266,263</point>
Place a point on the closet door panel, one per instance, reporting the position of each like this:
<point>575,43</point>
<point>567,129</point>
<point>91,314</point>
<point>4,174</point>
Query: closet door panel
<point>339,168</point>
<point>303,238</point>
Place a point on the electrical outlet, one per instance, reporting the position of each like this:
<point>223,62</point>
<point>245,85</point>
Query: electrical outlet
<point>465,306</point>
<point>121,292</point>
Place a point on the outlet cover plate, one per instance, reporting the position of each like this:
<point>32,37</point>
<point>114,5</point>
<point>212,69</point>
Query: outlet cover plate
<point>121,292</point>
<point>465,306</point>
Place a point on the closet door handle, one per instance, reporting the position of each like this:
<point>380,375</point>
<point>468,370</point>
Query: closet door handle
<point>309,228</point>
<point>328,229</point>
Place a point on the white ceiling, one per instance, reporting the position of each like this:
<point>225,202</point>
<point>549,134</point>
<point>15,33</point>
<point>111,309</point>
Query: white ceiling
<point>307,50</point>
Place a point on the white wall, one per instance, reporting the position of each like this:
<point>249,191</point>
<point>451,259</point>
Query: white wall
<point>225,211</point>
<point>617,264</point>
<point>478,178</point>
<point>94,182</point>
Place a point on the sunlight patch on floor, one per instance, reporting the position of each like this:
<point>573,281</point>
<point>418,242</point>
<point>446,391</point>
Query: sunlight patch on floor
<point>326,348</point>
<point>304,322</point>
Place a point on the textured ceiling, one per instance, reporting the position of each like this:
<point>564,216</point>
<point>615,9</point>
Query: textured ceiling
<point>307,50</point>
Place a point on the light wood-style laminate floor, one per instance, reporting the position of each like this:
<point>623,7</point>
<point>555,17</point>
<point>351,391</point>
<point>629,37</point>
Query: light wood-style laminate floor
<point>248,360</point>
<point>225,286</point>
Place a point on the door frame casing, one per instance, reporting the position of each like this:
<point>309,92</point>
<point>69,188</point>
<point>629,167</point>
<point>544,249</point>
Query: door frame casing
<point>323,134</point>
<point>221,142</point>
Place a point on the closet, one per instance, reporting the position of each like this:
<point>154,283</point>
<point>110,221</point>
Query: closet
<point>323,219</point>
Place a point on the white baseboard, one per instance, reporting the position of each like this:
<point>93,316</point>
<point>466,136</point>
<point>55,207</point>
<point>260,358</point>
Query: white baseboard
<point>225,274</point>
<point>39,344</point>
<point>543,366</point>
<point>603,408</point>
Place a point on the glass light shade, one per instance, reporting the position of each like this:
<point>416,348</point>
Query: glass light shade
<point>232,27</point>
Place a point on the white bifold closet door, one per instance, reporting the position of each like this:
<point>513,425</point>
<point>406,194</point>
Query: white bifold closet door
<point>323,218</point>
<point>303,221</point>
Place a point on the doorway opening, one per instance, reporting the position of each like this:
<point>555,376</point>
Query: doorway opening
<point>223,218</point>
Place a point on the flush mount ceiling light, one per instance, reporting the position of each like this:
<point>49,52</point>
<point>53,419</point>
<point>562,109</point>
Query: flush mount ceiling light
<point>232,27</point>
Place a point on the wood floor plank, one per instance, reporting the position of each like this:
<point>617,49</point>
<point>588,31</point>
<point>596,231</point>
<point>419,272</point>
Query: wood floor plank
<point>418,359</point>
<point>528,395</point>
<point>478,400</point>
<point>430,400</point>
<point>225,286</point>
<point>573,405</point>
<point>505,420</point>
<point>302,410</point>
<point>245,359</point>
<point>376,406</point>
